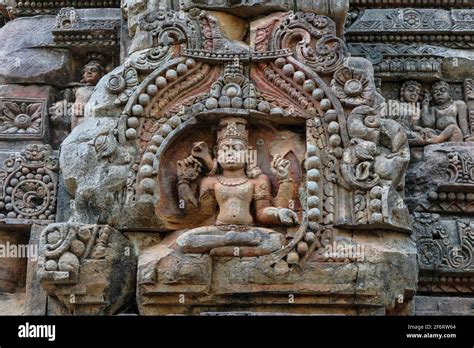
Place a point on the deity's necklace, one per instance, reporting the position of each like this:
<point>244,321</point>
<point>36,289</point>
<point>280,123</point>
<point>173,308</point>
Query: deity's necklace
<point>222,181</point>
<point>445,105</point>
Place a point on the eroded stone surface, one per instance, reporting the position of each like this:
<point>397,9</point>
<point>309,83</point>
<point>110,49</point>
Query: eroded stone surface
<point>25,57</point>
<point>90,269</point>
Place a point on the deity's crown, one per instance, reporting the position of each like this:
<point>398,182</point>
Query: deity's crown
<point>232,128</point>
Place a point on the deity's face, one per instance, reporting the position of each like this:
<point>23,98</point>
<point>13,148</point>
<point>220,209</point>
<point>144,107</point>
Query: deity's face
<point>441,93</point>
<point>231,154</point>
<point>411,93</point>
<point>92,74</point>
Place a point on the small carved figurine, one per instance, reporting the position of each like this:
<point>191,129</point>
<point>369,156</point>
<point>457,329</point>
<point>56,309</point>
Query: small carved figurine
<point>65,115</point>
<point>447,117</point>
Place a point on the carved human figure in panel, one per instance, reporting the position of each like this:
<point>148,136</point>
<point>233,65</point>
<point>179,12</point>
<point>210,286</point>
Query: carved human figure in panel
<point>447,117</point>
<point>66,115</point>
<point>240,194</point>
<point>92,73</point>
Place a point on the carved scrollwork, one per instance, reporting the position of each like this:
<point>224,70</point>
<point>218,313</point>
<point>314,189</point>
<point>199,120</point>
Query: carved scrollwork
<point>444,244</point>
<point>169,28</point>
<point>313,40</point>
<point>430,254</point>
<point>86,256</point>
<point>150,59</point>
<point>460,168</point>
<point>123,84</point>
<point>65,246</point>
<point>28,184</point>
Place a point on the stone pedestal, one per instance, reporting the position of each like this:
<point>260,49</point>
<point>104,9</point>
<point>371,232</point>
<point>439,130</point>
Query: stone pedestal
<point>90,269</point>
<point>378,280</point>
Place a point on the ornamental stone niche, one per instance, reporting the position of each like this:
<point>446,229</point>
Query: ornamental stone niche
<point>195,157</point>
<point>253,151</point>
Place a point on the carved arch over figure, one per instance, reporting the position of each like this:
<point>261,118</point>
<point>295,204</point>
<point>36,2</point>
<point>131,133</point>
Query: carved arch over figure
<point>295,71</point>
<point>292,75</point>
<point>287,87</point>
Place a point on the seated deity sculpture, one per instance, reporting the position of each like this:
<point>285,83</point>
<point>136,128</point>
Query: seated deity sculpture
<point>445,121</point>
<point>240,195</point>
<point>447,117</point>
<point>407,112</point>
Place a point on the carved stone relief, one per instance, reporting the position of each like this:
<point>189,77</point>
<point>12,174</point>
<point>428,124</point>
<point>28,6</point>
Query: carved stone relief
<point>419,25</point>
<point>235,152</point>
<point>28,185</point>
<point>22,118</point>
<point>195,103</point>
<point>66,115</point>
<point>78,263</point>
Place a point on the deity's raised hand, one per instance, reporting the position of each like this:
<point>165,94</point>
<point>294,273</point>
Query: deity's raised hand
<point>188,169</point>
<point>281,167</point>
<point>426,97</point>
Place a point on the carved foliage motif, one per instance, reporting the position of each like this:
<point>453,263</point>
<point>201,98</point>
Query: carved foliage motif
<point>66,246</point>
<point>313,39</point>
<point>22,118</point>
<point>28,184</point>
<point>353,87</point>
<point>414,19</point>
<point>441,247</point>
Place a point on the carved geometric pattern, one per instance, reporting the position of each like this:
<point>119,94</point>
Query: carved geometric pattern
<point>414,25</point>
<point>444,245</point>
<point>42,7</point>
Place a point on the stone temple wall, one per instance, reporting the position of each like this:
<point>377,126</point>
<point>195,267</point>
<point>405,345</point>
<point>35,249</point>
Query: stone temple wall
<point>214,156</point>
